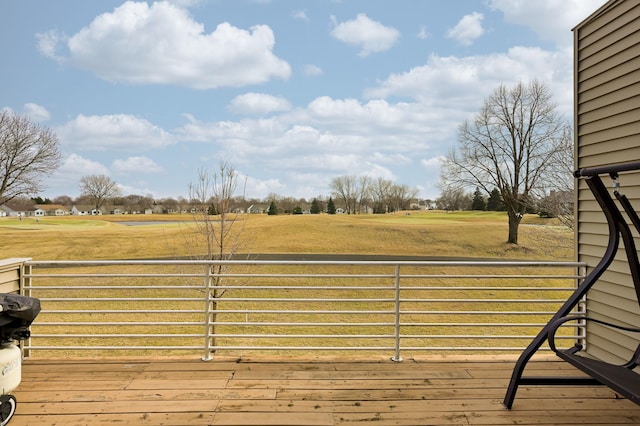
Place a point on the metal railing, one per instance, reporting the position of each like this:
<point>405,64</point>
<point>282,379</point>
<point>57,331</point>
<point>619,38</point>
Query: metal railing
<point>240,307</point>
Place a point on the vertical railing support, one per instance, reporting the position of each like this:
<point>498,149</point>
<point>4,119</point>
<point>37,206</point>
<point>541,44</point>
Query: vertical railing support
<point>397,357</point>
<point>25,290</point>
<point>207,314</point>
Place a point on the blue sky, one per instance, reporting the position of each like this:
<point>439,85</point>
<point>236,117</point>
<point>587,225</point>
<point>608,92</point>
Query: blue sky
<point>290,93</point>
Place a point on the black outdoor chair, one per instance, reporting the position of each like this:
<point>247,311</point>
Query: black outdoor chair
<point>621,378</point>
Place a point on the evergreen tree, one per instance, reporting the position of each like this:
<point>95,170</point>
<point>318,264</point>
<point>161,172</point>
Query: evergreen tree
<point>273,209</point>
<point>331,207</point>
<point>297,210</point>
<point>315,207</point>
<point>495,203</point>
<point>478,202</point>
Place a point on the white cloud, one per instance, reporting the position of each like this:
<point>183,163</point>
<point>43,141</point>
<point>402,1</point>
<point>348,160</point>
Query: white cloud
<point>535,15</point>
<point>162,44</point>
<point>184,3</point>
<point>48,43</point>
<point>258,103</point>
<point>370,36</point>
<point>423,34</point>
<point>135,165</point>
<point>36,112</point>
<point>468,29</point>
<point>72,169</point>
<point>112,132</point>
<point>300,14</point>
<point>312,70</point>
<point>461,83</point>
<point>433,162</point>
<point>330,137</point>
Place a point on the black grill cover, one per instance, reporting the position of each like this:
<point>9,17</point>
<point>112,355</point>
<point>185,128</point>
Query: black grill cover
<point>16,315</point>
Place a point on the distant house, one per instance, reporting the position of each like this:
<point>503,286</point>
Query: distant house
<point>51,210</point>
<point>257,209</point>
<point>85,211</point>
<point>19,208</point>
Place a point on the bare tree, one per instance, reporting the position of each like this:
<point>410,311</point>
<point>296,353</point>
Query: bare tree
<point>344,188</point>
<point>559,201</point>
<point>363,192</point>
<point>381,192</point>
<point>510,144</point>
<point>99,188</point>
<point>28,153</point>
<point>401,196</point>
<point>215,222</point>
<point>452,199</point>
<point>214,194</point>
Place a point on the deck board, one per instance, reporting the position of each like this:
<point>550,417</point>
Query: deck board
<point>298,391</point>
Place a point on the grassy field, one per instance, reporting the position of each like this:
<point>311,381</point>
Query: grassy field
<point>457,234</point>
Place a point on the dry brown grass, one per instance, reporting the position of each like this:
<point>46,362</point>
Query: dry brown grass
<point>459,234</point>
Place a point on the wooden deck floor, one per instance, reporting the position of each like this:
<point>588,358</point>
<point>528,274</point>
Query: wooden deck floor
<point>297,391</point>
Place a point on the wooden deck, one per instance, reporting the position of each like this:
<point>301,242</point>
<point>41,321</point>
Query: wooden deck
<point>304,391</point>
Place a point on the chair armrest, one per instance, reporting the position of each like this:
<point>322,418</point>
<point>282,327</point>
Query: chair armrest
<point>555,325</point>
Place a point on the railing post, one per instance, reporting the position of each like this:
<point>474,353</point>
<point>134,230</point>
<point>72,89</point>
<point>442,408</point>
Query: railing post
<point>25,290</point>
<point>397,357</point>
<point>207,314</point>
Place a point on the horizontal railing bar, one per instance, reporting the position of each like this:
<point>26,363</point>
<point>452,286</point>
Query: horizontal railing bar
<point>271,311</point>
<point>472,324</point>
<point>258,275</point>
<point>462,336</point>
<point>122,311</point>
<point>468,348</point>
<point>477,300</point>
<point>96,323</point>
<point>310,336</point>
<point>489,263</point>
<point>114,348</point>
<point>120,299</point>
<point>115,287</point>
<point>118,275</point>
<point>298,299</point>
<point>481,312</point>
<point>67,336</point>
<point>323,300</point>
<point>306,324</point>
<point>333,288</point>
<point>285,299</point>
<point>376,324</point>
<point>274,311</point>
<point>486,276</point>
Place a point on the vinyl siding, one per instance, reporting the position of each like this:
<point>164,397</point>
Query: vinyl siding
<point>607,128</point>
<point>10,275</point>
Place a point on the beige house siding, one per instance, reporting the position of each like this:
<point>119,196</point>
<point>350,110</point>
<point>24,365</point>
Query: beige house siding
<point>10,275</point>
<point>607,128</point>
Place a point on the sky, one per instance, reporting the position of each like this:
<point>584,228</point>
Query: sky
<point>290,93</point>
